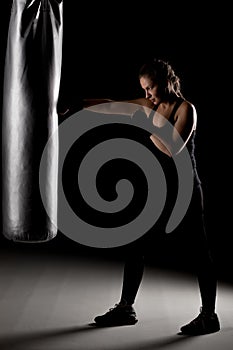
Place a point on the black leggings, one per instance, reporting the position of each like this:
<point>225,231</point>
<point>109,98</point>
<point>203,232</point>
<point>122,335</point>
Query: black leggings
<point>191,237</point>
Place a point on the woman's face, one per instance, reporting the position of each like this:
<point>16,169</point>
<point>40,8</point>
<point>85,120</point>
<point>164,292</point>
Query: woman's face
<point>151,89</point>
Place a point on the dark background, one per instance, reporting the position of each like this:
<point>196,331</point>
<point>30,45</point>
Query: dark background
<point>103,47</point>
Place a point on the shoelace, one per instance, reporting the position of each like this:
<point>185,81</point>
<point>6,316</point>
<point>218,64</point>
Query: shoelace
<point>116,306</point>
<point>196,320</point>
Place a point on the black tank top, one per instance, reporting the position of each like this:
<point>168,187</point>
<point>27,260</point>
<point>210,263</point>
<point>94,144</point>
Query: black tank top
<point>190,145</point>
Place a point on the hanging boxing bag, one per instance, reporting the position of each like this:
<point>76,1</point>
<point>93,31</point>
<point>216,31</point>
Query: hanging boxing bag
<point>30,92</point>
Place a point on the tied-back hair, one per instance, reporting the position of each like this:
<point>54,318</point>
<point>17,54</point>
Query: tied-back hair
<point>162,74</point>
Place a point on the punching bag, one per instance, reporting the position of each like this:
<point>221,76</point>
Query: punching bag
<point>29,117</point>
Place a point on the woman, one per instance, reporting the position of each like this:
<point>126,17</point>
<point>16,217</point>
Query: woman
<point>165,105</point>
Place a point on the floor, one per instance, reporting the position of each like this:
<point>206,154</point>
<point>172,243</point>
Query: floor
<point>48,301</point>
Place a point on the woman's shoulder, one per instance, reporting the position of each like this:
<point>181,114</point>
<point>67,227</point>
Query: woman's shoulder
<point>186,111</point>
<point>186,105</point>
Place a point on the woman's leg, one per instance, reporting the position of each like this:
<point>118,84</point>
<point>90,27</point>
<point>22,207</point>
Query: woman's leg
<point>204,263</point>
<point>132,277</point>
<point>207,321</point>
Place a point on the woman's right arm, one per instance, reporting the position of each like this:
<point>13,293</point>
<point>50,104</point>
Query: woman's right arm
<point>127,107</point>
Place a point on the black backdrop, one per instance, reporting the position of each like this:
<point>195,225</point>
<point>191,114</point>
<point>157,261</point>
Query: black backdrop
<point>103,47</point>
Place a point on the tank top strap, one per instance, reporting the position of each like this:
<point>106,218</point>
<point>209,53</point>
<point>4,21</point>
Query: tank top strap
<point>177,105</point>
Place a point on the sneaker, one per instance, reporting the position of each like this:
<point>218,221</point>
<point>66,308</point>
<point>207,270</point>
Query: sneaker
<point>204,323</point>
<point>119,315</point>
